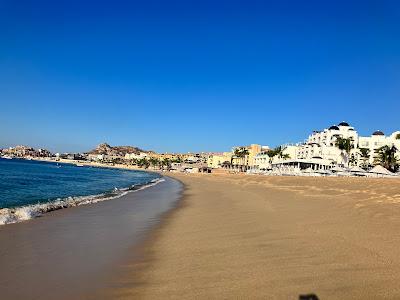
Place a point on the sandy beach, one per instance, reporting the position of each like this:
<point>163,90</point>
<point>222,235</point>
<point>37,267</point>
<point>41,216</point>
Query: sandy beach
<point>241,237</point>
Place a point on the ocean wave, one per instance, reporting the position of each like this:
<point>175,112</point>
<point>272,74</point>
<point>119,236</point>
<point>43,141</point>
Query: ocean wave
<point>23,213</point>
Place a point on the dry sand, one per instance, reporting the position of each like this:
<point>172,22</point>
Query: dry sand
<point>241,237</point>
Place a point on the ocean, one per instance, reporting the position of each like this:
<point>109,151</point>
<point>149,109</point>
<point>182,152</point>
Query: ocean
<point>31,188</point>
<point>75,253</point>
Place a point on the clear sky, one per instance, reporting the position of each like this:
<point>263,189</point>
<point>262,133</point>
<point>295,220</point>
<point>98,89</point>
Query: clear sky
<point>194,75</point>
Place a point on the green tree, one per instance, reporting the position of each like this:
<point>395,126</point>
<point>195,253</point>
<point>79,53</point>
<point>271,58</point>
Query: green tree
<point>345,145</point>
<point>241,153</point>
<point>271,154</point>
<point>280,152</point>
<point>154,162</point>
<point>166,163</point>
<point>352,160</point>
<point>364,154</point>
<point>386,157</point>
<point>285,156</point>
<point>143,163</point>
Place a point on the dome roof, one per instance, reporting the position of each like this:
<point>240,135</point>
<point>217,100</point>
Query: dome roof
<point>378,132</point>
<point>333,128</point>
<point>343,124</point>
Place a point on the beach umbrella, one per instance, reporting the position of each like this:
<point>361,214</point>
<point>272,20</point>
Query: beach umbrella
<point>380,170</point>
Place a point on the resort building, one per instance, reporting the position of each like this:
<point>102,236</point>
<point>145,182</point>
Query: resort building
<point>320,150</point>
<point>264,160</point>
<point>322,144</point>
<point>377,140</point>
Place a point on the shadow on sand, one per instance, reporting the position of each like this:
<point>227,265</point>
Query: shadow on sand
<point>308,297</point>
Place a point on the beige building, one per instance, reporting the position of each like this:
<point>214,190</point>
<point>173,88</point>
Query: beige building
<point>247,161</point>
<point>216,160</point>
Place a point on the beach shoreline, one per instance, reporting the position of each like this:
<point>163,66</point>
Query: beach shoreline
<point>86,163</point>
<point>240,236</point>
<point>249,236</point>
<point>23,211</point>
<point>79,249</point>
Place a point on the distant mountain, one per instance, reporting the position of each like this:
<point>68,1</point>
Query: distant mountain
<point>116,150</point>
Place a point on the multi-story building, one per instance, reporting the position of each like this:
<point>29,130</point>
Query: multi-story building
<point>377,140</point>
<point>263,160</point>
<point>217,160</point>
<point>322,144</point>
<point>321,152</point>
<point>247,161</point>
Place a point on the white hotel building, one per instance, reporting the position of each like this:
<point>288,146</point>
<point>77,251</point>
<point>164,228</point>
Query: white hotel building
<point>319,151</point>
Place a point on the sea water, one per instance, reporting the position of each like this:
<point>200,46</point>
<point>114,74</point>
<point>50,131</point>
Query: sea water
<point>31,188</point>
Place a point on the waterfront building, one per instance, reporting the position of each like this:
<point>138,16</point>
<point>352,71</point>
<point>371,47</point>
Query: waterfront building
<point>320,151</point>
<point>322,144</point>
<point>217,160</point>
<point>247,161</point>
<point>264,160</point>
<point>377,140</point>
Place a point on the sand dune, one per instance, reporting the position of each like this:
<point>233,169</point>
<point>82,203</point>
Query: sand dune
<point>238,236</point>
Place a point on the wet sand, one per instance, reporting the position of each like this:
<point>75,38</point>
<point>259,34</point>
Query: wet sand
<point>73,253</point>
<point>241,237</point>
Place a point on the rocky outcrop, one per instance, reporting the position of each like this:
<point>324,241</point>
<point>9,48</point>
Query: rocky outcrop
<point>106,149</point>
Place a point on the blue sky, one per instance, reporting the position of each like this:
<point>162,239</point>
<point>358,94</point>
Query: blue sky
<point>194,75</point>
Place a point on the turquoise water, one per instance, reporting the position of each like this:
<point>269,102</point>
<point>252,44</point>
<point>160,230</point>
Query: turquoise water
<point>30,188</point>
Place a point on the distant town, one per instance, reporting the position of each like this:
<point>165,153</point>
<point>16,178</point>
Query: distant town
<point>336,149</point>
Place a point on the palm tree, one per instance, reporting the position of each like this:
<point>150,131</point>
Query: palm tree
<point>280,152</point>
<point>143,163</point>
<point>154,162</point>
<point>364,153</point>
<point>345,145</point>
<point>352,160</point>
<point>167,163</point>
<point>386,157</point>
<point>240,152</point>
<point>285,156</point>
<point>271,154</point>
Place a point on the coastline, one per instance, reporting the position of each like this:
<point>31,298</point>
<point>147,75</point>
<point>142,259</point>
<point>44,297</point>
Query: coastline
<point>224,236</point>
<point>15,214</point>
<point>79,249</point>
<point>92,164</point>
<point>238,236</point>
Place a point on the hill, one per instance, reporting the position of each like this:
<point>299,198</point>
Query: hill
<point>115,150</point>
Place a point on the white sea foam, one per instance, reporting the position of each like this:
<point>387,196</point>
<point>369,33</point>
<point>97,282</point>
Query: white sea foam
<point>22,213</point>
